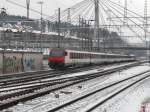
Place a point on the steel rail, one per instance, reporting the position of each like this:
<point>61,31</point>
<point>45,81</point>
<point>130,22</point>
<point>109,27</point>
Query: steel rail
<point>99,90</point>
<point>12,99</point>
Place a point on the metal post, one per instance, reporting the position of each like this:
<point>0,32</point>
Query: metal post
<point>96,26</point>
<point>59,27</point>
<point>26,36</point>
<point>28,7</point>
<point>41,3</point>
<point>82,32</point>
<point>41,26</point>
<point>69,23</point>
<point>88,35</point>
<point>3,71</point>
<point>125,12</point>
<point>146,30</point>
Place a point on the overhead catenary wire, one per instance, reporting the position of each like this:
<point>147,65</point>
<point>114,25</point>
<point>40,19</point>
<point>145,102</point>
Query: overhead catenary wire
<point>33,10</point>
<point>132,15</point>
<point>119,18</point>
<point>76,7</point>
<point>85,8</point>
<point>127,9</point>
<point>128,18</point>
<point>80,11</point>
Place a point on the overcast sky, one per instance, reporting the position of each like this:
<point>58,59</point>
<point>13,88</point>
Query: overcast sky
<point>51,5</point>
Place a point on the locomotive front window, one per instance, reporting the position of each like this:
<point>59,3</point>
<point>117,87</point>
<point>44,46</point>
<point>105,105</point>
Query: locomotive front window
<point>57,53</point>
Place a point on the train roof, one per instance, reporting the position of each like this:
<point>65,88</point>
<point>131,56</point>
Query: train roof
<point>94,52</point>
<point>110,54</point>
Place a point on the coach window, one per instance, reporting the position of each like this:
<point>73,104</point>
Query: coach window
<point>71,55</point>
<point>77,55</point>
<point>74,55</point>
<point>102,56</point>
<point>93,56</point>
<point>110,56</point>
<point>84,56</point>
<point>81,56</point>
<point>97,56</point>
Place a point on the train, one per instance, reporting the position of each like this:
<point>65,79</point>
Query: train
<point>62,58</point>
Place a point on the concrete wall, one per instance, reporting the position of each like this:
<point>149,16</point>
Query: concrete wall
<point>12,62</point>
<point>32,61</point>
<point>15,62</point>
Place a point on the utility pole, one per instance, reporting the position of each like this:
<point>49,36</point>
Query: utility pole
<point>88,45</point>
<point>69,16</point>
<point>125,13</point>
<point>146,30</point>
<point>82,24</point>
<point>96,42</point>
<point>26,34</point>
<point>59,27</point>
<point>110,41</point>
<point>28,8</point>
<point>41,36</point>
<point>69,21</point>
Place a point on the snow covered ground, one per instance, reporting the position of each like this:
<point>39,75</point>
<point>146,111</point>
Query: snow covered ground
<point>129,101</point>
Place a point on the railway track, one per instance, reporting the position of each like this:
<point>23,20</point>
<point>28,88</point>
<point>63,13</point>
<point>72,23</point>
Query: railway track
<point>8,100</point>
<point>89,102</point>
<point>14,85</point>
<point>24,79</point>
<point>36,77</point>
<point>111,96</point>
<point>50,72</point>
<point>36,73</point>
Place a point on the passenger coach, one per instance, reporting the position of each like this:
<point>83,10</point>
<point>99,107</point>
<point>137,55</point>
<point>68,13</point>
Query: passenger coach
<point>60,58</point>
